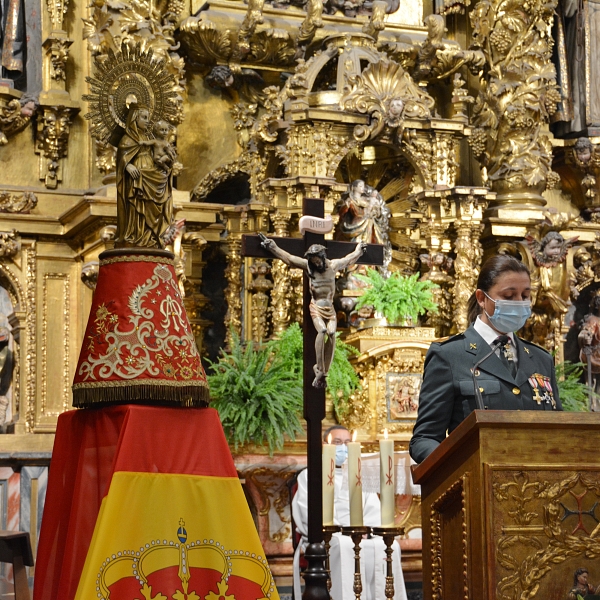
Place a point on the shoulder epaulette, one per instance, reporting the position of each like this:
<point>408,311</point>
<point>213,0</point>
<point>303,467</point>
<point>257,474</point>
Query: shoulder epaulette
<point>449,338</point>
<point>527,342</point>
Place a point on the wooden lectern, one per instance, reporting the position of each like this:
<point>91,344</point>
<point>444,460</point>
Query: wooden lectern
<point>511,506</point>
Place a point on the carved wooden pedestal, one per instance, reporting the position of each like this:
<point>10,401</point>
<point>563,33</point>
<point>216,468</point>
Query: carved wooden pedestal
<point>510,505</point>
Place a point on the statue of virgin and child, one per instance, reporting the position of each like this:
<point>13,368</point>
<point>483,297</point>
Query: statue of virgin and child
<point>146,164</point>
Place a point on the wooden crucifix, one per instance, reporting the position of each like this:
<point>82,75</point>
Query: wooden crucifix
<point>315,576</point>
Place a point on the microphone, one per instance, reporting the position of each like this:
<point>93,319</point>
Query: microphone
<point>499,341</point>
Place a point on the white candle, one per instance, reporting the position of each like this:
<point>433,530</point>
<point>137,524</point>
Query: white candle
<point>328,481</point>
<point>355,483</point>
<point>387,481</point>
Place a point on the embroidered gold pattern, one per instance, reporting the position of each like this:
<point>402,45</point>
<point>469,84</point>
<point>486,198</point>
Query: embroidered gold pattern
<point>146,345</point>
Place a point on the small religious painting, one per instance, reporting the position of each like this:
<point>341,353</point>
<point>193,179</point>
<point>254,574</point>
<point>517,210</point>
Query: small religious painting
<point>402,396</point>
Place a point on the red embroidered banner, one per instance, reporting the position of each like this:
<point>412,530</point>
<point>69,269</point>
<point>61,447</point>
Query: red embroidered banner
<point>138,345</point>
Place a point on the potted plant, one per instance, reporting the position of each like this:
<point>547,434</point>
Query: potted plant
<point>258,394</point>
<point>399,298</point>
<point>574,395</point>
<point>257,389</point>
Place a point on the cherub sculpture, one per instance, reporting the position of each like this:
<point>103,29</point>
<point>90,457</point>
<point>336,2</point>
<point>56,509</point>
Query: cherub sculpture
<point>386,92</point>
<point>364,217</point>
<point>321,272</point>
<point>585,159</point>
<point>248,83</point>
<point>583,150</point>
<point>551,250</point>
<point>549,283</point>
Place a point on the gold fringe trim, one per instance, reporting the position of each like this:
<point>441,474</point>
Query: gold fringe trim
<point>137,258</point>
<point>189,395</point>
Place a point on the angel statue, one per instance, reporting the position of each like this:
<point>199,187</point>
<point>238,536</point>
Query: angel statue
<point>133,106</point>
<point>549,284</point>
<point>364,217</point>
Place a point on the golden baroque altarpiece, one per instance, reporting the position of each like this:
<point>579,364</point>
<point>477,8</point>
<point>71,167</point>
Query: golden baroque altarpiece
<point>461,116</point>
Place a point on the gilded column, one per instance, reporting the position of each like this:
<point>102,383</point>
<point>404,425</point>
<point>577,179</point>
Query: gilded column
<point>259,287</point>
<point>280,295</point>
<point>470,204</point>
<point>438,214</point>
<point>296,293</point>
<point>465,278</point>
<point>190,277</point>
<point>233,292</point>
<point>439,264</point>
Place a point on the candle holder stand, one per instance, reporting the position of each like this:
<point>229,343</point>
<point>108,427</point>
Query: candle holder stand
<point>356,532</point>
<point>328,531</point>
<point>388,534</point>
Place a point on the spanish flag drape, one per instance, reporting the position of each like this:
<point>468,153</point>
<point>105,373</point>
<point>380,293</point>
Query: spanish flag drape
<point>145,503</point>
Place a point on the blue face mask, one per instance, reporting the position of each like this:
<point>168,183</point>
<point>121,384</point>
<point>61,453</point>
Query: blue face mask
<point>341,454</point>
<point>509,315</point>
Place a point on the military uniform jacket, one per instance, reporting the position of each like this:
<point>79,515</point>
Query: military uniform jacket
<point>447,394</point>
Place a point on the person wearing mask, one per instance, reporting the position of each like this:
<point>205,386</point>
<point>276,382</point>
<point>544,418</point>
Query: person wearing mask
<point>516,375</point>
<point>341,553</point>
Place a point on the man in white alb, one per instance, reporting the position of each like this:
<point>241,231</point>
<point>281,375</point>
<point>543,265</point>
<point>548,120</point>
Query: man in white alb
<point>372,555</point>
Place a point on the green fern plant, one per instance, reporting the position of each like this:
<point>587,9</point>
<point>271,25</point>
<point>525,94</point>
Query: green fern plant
<point>574,395</point>
<point>342,380</point>
<point>397,297</point>
<point>258,394</point>
<point>258,390</point>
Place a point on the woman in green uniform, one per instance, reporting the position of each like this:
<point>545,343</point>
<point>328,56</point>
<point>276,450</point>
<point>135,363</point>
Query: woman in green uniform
<point>515,375</point>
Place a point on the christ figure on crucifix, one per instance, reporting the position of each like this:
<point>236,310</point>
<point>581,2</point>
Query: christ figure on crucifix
<point>321,273</point>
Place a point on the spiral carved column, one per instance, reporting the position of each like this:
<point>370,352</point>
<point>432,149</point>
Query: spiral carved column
<point>469,251</point>
<point>259,287</point>
<point>233,292</point>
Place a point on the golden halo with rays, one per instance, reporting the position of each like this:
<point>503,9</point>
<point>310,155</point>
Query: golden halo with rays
<point>131,75</point>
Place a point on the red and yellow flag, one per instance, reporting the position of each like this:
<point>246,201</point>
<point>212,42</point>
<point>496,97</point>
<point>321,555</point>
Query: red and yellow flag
<point>171,522</point>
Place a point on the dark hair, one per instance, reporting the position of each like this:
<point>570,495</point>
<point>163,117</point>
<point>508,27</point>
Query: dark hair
<point>332,428</point>
<point>321,252</point>
<point>551,235</point>
<point>583,143</point>
<point>579,572</point>
<point>219,77</point>
<point>492,269</point>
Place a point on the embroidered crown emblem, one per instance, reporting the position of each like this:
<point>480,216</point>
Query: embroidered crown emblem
<point>205,570</point>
